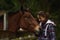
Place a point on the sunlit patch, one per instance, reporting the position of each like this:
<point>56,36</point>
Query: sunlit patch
<point>21,29</point>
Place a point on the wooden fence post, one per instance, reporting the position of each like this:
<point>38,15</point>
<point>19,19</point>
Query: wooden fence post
<point>5,21</point>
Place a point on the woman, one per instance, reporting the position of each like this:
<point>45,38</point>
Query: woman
<point>47,27</point>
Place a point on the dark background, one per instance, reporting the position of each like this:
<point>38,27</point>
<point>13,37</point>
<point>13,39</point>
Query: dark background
<point>51,6</point>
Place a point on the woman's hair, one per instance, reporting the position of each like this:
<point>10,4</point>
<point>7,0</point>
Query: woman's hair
<point>43,14</point>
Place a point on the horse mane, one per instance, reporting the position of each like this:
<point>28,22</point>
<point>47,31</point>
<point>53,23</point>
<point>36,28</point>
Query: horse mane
<point>13,12</point>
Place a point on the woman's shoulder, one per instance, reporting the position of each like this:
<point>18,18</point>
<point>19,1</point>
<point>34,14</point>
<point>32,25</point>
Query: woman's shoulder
<point>51,23</point>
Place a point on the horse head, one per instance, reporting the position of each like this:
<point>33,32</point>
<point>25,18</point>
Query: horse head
<point>28,22</point>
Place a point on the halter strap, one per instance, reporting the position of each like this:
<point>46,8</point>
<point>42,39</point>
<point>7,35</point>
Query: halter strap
<point>46,30</point>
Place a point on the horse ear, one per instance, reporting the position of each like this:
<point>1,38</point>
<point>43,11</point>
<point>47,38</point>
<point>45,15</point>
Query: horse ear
<point>22,8</point>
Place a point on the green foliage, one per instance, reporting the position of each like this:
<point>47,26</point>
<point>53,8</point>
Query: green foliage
<point>5,4</point>
<point>9,5</point>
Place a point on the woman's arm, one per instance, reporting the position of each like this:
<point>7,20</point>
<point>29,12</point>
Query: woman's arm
<point>51,30</point>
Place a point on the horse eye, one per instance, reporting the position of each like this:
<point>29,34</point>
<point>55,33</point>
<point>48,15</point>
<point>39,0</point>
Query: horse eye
<point>26,18</point>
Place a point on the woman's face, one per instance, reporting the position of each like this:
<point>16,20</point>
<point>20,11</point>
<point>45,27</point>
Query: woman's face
<point>41,18</point>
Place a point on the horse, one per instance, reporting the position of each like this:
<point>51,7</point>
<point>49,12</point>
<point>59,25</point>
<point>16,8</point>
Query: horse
<point>20,19</point>
<point>25,21</point>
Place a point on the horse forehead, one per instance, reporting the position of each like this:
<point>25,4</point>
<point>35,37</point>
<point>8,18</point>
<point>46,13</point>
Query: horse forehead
<point>27,18</point>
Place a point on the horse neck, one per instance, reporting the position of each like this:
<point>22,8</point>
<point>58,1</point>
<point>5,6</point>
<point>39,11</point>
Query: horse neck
<point>13,21</point>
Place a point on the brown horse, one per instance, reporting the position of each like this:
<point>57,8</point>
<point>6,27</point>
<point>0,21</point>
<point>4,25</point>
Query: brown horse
<point>25,21</point>
<point>19,20</point>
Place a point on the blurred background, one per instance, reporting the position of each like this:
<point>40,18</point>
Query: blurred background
<point>51,6</point>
